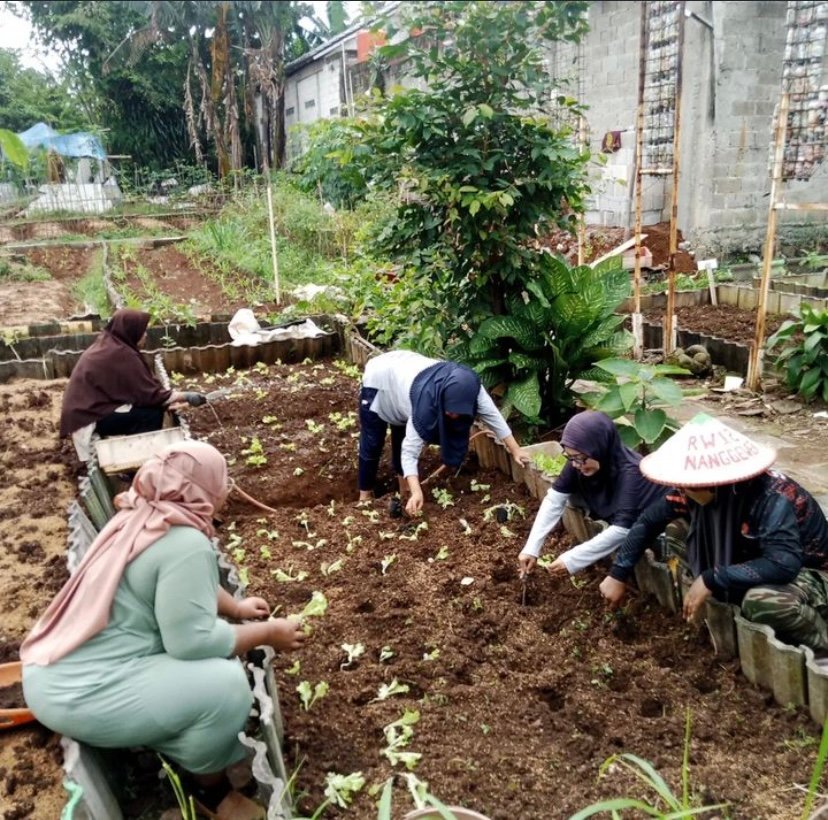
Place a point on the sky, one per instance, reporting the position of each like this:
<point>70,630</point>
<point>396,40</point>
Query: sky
<point>16,33</point>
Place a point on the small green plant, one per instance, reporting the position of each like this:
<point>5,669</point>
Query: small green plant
<point>341,788</point>
<point>309,695</point>
<point>353,651</point>
<point>414,534</point>
<point>677,807</point>
<point>314,427</point>
<point>186,804</point>
<point>255,453</point>
<point>804,351</point>
<point>386,653</point>
<point>286,577</point>
<point>637,400</point>
<point>386,690</point>
<point>549,465</point>
<point>442,553</point>
<point>330,568</point>
<point>386,562</point>
<point>443,497</point>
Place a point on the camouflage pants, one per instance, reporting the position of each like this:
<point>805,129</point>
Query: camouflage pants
<point>798,612</point>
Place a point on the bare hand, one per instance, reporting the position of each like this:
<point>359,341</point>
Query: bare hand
<point>558,568</point>
<point>286,633</point>
<point>249,609</point>
<point>415,503</point>
<point>695,598</point>
<point>614,591</point>
<point>521,457</point>
<point>527,563</point>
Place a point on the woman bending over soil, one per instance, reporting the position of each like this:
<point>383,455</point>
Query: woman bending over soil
<point>602,475</point>
<point>425,401</point>
<point>133,651</point>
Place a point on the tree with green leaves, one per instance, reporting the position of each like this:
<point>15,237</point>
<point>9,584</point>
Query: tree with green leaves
<point>138,105</point>
<point>481,171</point>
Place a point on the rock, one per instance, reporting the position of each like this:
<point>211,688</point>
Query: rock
<point>786,406</point>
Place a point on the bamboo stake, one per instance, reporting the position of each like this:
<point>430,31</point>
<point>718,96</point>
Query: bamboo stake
<point>273,243</point>
<point>637,324</point>
<point>582,219</point>
<point>670,317</point>
<point>757,350</point>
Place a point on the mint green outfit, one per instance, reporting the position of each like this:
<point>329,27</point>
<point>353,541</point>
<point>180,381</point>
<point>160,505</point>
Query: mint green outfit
<point>159,674</point>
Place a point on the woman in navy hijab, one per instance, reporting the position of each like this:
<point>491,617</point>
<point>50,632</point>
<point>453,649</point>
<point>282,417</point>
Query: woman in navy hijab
<point>604,477</point>
<point>425,401</point>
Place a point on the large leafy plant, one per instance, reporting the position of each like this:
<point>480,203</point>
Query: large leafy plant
<point>551,333</point>
<point>803,359</point>
<point>638,399</point>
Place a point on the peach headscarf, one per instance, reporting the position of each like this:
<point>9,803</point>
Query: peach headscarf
<point>181,486</point>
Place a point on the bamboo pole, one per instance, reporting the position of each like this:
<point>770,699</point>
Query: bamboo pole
<point>582,218</point>
<point>670,317</point>
<point>637,323</point>
<point>754,374</point>
<point>273,253</point>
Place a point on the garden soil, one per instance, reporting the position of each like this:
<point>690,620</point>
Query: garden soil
<point>723,321</point>
<point>519,703</point>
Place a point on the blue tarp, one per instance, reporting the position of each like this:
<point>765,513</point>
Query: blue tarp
<point>67,145</point>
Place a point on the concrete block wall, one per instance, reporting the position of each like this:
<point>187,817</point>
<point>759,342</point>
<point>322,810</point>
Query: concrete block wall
<point>731,85</point>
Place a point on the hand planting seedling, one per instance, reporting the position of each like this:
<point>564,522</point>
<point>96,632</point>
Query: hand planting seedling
<point>353,651</point>
<point>309,695</point>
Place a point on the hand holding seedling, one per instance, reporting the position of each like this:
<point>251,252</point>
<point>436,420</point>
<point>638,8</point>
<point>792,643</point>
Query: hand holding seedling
<point>249,609</point>
<point>558,569</point>
<point>695,598</point>
<point>614,591</point>
<point>286,633</point>
<point>527,564</point>
<point>415,503</point>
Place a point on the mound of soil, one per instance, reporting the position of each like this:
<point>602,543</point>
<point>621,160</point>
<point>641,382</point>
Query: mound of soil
<point>601,240</point>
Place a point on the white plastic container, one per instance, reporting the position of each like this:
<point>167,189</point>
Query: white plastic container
<point>130,452</point>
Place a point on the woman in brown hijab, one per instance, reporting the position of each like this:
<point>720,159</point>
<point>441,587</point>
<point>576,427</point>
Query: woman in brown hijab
<point>112,390</point>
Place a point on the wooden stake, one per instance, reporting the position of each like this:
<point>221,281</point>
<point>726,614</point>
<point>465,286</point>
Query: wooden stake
<point>582,219</point>
<point>755,360</point>
<point>271,220</point>
<point>670,318</point>
<point>637,324</point>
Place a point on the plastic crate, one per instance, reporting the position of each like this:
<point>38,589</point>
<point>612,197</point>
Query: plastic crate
<point>129,452</point>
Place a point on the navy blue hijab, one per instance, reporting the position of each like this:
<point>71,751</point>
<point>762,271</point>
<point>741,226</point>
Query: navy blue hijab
<point>445,387</point>
<point>618,492</point>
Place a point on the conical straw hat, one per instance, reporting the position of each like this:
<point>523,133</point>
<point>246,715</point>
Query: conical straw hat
<point>706,453</point>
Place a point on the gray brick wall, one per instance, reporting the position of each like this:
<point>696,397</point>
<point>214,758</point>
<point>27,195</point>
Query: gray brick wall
<point>731,84</point>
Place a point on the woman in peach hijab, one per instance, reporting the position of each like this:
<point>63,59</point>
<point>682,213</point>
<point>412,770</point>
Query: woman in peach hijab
<point>134,650</point>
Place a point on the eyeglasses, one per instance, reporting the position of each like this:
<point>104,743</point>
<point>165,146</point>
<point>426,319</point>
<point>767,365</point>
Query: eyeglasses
<point>577,461</point>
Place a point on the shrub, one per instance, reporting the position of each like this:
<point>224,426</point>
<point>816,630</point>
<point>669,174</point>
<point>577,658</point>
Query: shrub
<point>803,359</point>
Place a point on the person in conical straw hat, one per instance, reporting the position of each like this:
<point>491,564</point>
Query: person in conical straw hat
<point>756,538</point>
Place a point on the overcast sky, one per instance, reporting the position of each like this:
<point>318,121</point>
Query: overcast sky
<point>16,33</point>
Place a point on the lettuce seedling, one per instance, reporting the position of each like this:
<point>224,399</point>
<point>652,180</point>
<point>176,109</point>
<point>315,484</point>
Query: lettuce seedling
<point>443,497</point>
<point>309,695</point>
<point>341,788</point>
<point>295,669</point>
<point>421,527</point>
<point>286,578</point>
<point>387,561</point>
<point>255,453</point>
<point>329,569</point>
<point>386,690</point>
<point>386,653</point>
<point>316,607</point>
<point>353,651</point>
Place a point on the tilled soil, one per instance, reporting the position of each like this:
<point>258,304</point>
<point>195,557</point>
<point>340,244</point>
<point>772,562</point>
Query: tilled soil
<point>723,321</point>
<point>519,702</point>
<point>11,697</point>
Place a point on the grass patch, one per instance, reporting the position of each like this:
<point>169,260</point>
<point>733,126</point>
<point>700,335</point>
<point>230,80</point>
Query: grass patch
<point>15,270</point>
<point>91,290</point>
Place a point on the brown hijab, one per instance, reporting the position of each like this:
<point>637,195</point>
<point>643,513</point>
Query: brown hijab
<point>109,373</point>
<point>180,487</point>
